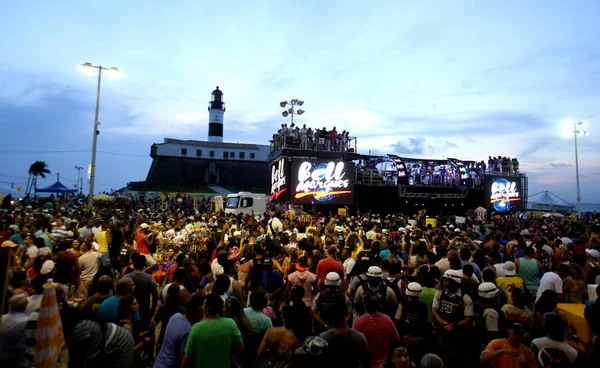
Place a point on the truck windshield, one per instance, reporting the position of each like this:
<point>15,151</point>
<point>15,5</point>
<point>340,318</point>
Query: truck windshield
<point>233,202</point>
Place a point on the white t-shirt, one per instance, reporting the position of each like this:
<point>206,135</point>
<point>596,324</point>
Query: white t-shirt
<point>550,281</point>
<point>443,265</point>
<point>348,265</point>
<point>163,294</point>
<point>276,224</point>
<point>491,317</point>
<point>32,252</point>
<point>216,267</point>
<point>500,270</point>
<point>547,343</point>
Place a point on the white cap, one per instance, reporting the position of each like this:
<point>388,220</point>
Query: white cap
<point>525,232</point>
<point>237,233</point>
<point>457,230</point>
<point>333,279</point>
<point>593,253</point>
<point>450,226</point>
<point>339,229</point>
<point>487,290</point>
<point>144,226</point>
<point>414,289</point>
<point>509,268</point>
<point>374,271</point>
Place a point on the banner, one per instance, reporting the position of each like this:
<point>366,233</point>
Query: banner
<point>503,194</point>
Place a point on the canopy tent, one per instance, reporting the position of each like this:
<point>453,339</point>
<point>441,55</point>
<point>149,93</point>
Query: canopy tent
<point>57,187</point>
<point>4,191</point>
<point>548,201</point>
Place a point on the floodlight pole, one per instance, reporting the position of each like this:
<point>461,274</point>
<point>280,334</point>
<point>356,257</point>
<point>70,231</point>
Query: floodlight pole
<point>95,140</point>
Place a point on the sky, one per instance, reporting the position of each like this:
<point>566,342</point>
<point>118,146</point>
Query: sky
<point>463,79</point>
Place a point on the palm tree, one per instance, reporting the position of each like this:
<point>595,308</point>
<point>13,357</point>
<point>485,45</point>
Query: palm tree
<point>37,169</point>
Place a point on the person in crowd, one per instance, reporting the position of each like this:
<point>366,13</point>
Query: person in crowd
<point>346,347</point>
<point>530,270</point>
<point>553,281</point>
<point>172,305</point>
<point>412,318</point>
<point>378,328</point>
<point>330,293</point>
<point>552,349</point>
<point>212,340</point>
<point>250,336</point>
<point>177,333</point>
<point>146,289</point>
<point>385,295</point>
<point>88,267</point>
<point>109,309</point>
<point>304,278</point>
<point>329,264</point>
<point>509,352</point>
<point>12,333</point>
<point>453,312</point>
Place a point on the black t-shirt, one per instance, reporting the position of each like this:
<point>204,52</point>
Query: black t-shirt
<point>143,290</point>
<point>125,256</point>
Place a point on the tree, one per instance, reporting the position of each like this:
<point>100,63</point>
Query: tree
<point>37,169</point>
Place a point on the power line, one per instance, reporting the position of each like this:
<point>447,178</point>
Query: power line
<point>121,154</point>
<point>15,152</point>
<point>13,177</point>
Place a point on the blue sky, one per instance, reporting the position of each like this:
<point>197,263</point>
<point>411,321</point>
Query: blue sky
<point>464,79</point>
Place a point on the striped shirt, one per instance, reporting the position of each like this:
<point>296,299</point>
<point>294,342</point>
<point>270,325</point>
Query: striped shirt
<point>59,233</point>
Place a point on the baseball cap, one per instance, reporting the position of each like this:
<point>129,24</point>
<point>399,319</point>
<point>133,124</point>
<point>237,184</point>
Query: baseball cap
<point>593,253</point>
<point>237,233</point>
<point>47,267</point>
<point>516,326</point>
<point>8,244</point>
<point>509,268</point>
<point>144,226</point>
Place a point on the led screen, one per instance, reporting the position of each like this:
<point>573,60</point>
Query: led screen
<point>503,194</point>
<point>322,182</point>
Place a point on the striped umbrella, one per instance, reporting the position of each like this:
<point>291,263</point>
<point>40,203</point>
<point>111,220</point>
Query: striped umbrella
<point>49,334</point>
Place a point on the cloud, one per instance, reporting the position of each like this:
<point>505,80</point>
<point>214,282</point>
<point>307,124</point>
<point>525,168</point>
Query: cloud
<point>411,146</point>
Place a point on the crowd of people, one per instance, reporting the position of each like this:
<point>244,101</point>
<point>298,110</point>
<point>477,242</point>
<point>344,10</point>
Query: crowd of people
<point>304,138</point>
<point>164,284</point>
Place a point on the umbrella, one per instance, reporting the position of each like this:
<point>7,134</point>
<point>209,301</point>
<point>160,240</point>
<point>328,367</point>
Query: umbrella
<point>102,197</point>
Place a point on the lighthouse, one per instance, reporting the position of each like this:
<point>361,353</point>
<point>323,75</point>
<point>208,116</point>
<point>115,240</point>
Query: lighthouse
<point>216,110</point>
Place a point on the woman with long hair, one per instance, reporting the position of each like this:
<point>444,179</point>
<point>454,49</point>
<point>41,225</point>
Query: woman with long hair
<point>546,304</point>
<point>235,310</point>
<point>128,307</point>
<point>574,286</point>
<point>279,343</point>
<point>172,305</point>
<point>316,256</point>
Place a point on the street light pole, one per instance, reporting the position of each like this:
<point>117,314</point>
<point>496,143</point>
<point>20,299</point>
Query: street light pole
<point>578,129</point>
<point>115,71</point>
<point>95,142</point>
<point>79,168</point>
<point>575,132</point>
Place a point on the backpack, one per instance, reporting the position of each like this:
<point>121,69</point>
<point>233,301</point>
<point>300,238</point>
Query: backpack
<point>393,284</point>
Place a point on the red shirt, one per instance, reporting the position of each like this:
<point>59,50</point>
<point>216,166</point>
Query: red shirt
<point>327,265</point>
<point>142,247</point>
<point>380,333</point>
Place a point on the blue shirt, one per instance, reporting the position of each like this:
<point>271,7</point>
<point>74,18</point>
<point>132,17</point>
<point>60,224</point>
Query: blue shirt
<point>176,337</point>
<point>43,235</point>
<point>109,310</point>
<point>17,238</point>
<point>476,270</point>
<point>272,282</point>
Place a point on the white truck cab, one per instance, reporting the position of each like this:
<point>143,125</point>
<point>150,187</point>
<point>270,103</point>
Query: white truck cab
<point>245,203</point>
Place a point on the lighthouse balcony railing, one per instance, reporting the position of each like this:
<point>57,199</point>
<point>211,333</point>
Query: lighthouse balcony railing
<point>347,144</point>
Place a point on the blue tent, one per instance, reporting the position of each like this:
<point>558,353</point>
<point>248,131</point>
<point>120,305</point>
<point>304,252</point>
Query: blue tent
<point>56,188</point>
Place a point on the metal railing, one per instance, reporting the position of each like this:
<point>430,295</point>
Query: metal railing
<point>314,144</point>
